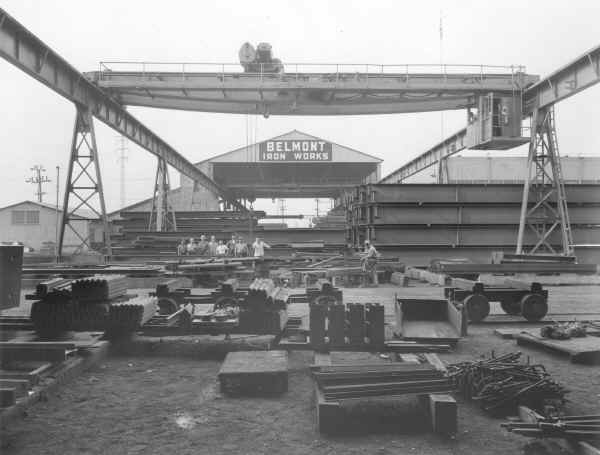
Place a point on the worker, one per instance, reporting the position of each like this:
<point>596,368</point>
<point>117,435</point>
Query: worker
<point>221,249</point>
<point>182,248</point>
<point>369,262</point>
<point>202,246</point>
<point>231,246</point>
<point>241,249</point>
<point>190,247</point>
<point>212,246</point>
<point>259,247</point>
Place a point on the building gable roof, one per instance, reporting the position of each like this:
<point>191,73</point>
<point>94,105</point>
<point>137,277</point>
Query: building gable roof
<point>250,152</point>
<point>39,204</point>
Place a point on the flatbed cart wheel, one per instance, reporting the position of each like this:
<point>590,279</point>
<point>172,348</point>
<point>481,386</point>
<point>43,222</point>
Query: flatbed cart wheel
<point>534,307</point>
<point>478,307</point>
<point>511,307</point>
<point>167,305</point>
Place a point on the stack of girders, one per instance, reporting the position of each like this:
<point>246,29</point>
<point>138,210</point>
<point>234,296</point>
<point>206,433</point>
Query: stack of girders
<point>357,381</point>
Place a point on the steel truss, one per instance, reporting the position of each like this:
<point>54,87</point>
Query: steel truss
<point>162,216</point>
<point>84,185</point>
<point>544,188</point>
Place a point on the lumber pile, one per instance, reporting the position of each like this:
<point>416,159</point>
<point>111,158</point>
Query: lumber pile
<point>502,383</point>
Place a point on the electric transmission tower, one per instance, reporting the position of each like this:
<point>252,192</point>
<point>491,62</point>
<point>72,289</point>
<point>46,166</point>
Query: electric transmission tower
<point>38,179</point>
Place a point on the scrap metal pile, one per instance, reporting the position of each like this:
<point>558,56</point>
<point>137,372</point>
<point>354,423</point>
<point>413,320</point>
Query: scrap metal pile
<point>501,383</point>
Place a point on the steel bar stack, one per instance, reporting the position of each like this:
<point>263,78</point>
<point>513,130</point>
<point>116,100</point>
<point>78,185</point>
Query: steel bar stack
<point>99,288</point>
<point>264,310</point>
<point>357,381</point>
<point>130,315</point>
<point>502,383</point>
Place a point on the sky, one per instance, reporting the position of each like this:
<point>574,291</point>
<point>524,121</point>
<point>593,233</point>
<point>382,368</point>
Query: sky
<point>36,124</point>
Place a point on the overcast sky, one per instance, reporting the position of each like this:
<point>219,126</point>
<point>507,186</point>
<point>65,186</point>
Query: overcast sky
<point>36,124</point>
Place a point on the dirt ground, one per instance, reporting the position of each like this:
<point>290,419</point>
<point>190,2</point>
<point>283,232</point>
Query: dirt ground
<point>166,405</point>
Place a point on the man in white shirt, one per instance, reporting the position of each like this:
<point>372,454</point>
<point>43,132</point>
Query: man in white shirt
<point>259,247</point>
<point>369,262</point>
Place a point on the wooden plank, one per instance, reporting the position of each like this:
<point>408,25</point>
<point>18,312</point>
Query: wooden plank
<point>580,350</point>
<point>457,318</point>
<point>434,360</point>
<point>507,334</point>
<point>586,448</point>
<point>444,413</point>
<point>409,358</point>
<point>66,345</point>
<point>430,331</point>
<point>21,386</point>
<point>9,354</point>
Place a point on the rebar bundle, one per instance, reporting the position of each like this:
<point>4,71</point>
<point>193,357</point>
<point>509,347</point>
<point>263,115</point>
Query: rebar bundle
<point>99,288</point>
<point>501,383</point>
<point>578,427</point>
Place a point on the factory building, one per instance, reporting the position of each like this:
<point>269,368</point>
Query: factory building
<point>34,224</point>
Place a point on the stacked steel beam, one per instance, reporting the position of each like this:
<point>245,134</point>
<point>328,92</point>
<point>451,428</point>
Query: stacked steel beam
<point>130,315</point>
<point>502,383</point>
<point>465,220</point>
<point>356,381</point>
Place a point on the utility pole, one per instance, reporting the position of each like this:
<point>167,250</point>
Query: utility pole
<point>38,179</point>
<point>122,149</point>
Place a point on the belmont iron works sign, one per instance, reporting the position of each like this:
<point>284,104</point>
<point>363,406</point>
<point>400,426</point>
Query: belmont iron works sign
<point>295,150</point>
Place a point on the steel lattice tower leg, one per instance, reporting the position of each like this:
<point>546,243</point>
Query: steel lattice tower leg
<point>162,216</point>
<point>544,188</point>
<point>84,184</point>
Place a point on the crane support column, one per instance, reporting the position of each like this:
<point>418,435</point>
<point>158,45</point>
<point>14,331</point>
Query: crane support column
<point>544,189</point>
<point>84,185</point>
<point>162,216</point>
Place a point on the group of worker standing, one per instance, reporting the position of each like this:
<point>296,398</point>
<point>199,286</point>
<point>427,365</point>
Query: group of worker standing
<point>235,247</point>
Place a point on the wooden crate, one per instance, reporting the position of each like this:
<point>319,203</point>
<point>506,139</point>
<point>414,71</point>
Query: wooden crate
<point>254,373</point>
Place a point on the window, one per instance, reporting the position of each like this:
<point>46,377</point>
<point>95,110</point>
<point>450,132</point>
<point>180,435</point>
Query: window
<point>25,217</point>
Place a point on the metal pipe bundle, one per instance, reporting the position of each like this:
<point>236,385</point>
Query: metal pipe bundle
<point>502,383</point>
<point>99,288</point>
<point>131,314</point>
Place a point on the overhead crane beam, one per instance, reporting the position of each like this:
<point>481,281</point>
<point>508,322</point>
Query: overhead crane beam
<point>578,75</point>
<point>311,93</point>
<point>27,52</point>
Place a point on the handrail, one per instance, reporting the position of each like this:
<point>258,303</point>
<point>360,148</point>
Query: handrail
<point>331,68</point>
